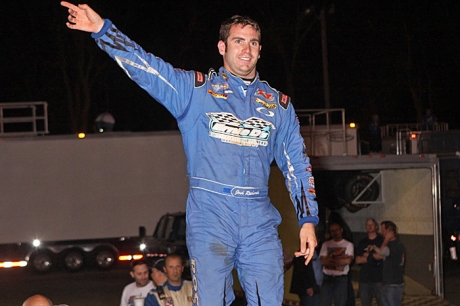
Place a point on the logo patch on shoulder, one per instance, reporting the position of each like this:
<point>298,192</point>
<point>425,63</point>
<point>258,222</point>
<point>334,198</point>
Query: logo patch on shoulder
<point>199,79</point>
<point>261,93</point>
<point>284,100</point>
<point>265,104</point>
<point>217,95</point>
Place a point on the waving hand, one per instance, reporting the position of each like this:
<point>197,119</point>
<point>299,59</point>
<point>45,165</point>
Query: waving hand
<point>83,18</point>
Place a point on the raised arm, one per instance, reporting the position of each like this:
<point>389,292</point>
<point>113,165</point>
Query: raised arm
<point>83,18</point>
<point>383,250</point>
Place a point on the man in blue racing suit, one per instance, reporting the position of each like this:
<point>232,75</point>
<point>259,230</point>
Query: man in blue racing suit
<point>233,126</point>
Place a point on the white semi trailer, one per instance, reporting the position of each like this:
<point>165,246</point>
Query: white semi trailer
<point>74,193</point>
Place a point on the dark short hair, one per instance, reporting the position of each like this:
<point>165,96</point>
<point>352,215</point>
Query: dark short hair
<point>390,225</point>
<point>137,262</point>
<point>224,32</point>
<point>159,265</point>
<point>175,255</point>
<point>334,223</point>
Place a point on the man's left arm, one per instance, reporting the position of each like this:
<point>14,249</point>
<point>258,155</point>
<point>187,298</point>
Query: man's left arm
<point>291,157</point>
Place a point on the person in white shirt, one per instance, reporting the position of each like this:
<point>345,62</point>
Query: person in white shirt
<point>141,285</point>
<point>336,255</point>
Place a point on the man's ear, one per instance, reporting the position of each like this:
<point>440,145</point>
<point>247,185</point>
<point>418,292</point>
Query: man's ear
<point>221,46</point>
<point>132,274</point>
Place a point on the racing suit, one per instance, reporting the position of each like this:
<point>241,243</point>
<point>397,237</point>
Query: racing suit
<point>232,130</point>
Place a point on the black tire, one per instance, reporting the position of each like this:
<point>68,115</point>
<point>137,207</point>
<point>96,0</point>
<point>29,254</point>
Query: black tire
<point>354,186</point>
<point>358,183</point>
<point>41,262</point>
<point>105,258</point>
<point>73,260</point>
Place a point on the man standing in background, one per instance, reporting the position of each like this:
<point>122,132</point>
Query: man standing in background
<point>141,285</point>
<point>336,256</point>
<point>370,274</point>
<point>176,291</point>
<point>393,265</point>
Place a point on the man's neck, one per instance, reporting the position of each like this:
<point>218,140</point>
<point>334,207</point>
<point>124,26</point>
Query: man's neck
<point>176,283</point>
<point>372,235</point>
<point>247,80</point>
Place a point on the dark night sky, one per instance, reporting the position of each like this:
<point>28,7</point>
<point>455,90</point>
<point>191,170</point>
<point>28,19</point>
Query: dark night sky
<point>376,48</point>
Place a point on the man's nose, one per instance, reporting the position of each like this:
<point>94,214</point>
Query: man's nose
<point>246,47</point>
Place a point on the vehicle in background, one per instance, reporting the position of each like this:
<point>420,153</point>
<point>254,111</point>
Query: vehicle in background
<point>73,255</point>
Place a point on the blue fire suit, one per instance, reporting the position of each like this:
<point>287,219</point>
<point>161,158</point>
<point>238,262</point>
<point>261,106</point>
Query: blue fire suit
<point>232,131</point>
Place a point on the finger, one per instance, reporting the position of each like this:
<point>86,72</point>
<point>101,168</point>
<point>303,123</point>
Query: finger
<point>71,25</point>
<point>69,5</point>
<point>303,245</point>
<point>311,249</point>
<point>304,254</point>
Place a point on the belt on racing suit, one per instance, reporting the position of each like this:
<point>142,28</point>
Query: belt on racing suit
<point>228,190</point>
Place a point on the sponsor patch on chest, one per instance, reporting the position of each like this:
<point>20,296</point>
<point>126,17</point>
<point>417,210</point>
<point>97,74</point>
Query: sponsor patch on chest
<point>228,128</point>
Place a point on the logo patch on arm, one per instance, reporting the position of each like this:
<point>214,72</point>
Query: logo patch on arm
<point>199,79</point>
<point>284,100</point>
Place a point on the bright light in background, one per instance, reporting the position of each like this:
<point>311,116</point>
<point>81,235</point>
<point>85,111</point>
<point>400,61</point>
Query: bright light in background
<point>142,246</point>
<point>413,136</point>
<point>352,125</point>
<point>81,135</point>
<point>13,264</point>
<point>130,257</point>
<point>36,243</point>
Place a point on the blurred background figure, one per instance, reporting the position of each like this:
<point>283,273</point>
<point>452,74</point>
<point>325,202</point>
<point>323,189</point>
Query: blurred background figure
<point>375,144</point>
<point>307,279</point>
<point>429,119</point>
<point>104,122</point>
<point>336,256</point>
<point>370,274</point>
<point>141,285</point>
<point>158,273</point>
<point>37,300</point>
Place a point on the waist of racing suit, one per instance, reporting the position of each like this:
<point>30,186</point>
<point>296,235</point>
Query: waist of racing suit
<point>228,190</point>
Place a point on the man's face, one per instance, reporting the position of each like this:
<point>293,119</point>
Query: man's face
<point>241,51</point>
<point>174,269</point>
<point>336,232</point>
<point>371,227</point>
<point>383,230</point>
<point>140,274</point>
<point>159,277</point>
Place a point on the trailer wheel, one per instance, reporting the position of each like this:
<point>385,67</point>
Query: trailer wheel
<point>355,186</point>
<point>41,262</point>
<point>73,260</point>
<point>105,258</point>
